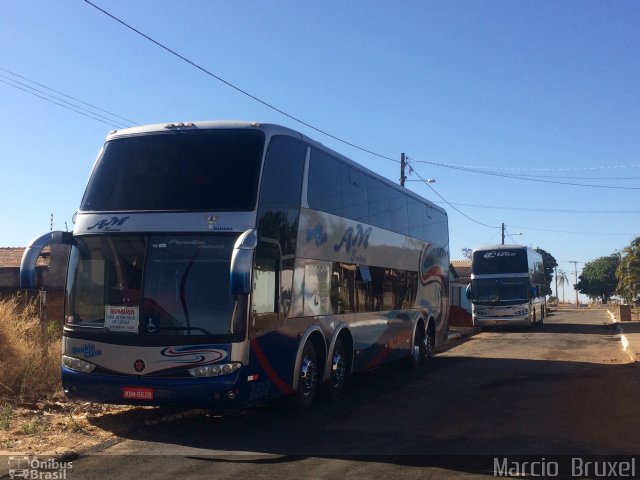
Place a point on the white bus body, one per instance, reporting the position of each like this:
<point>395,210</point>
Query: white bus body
<point>505,287</point>
<point>223,264</point>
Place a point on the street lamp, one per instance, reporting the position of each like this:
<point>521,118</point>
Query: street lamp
<point>510,234</point>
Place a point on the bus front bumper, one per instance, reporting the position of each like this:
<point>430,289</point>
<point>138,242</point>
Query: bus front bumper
<point>222,392</point>
<point>501,321</point>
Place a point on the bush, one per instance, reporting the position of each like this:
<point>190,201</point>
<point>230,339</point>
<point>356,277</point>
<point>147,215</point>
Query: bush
<point>29,353</point>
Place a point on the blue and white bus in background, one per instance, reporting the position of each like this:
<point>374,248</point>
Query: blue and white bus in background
<point>505,289</point>
<point>223,264</point>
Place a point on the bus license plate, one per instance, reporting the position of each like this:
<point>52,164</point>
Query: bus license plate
<point>137,393</point>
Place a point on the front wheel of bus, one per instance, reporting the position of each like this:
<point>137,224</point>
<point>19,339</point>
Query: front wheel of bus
<point>308,381</point>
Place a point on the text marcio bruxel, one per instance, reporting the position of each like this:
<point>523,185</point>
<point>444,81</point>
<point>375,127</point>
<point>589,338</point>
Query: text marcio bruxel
<point>571,467</point>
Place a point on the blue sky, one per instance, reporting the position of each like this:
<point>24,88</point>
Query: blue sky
<point>545,89</point>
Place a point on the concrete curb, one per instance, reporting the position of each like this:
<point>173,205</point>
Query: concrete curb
<point>624,340</point>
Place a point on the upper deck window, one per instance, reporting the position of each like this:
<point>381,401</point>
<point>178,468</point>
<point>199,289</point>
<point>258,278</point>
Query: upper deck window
<point>197,170</point>
<point>500,261</point>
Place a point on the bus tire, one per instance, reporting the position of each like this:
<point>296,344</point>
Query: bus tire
<point>418,350</point>
<point>429,342</point>
<point>339,369</point>
<point>308,382</point>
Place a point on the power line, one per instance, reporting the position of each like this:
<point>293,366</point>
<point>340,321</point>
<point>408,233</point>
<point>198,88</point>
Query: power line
<point>577,233</point>
<point>60,103</point>
<point>546,210</point>
<point>324,132</point>
<point>450,204</point>
<point>68,96</point>
<point>236,88</point>
<point>518,177</point>
<point>581,178</point>
<point>549,169</point>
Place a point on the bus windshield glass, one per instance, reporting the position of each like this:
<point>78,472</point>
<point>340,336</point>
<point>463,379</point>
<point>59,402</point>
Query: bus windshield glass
<point>151,286</point>
<point>192,170</point>
<point>494,290</point>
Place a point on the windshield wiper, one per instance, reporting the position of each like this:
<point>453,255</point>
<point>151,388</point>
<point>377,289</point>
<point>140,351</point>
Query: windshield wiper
<point>90,327</point>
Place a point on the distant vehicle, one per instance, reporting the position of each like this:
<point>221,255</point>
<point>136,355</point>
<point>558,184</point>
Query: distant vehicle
<point>505,289</point>
<point>223,264</point>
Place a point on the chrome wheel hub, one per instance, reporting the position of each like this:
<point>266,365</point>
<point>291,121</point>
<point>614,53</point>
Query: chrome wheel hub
<point>338,368</point>
<point>308,376</point>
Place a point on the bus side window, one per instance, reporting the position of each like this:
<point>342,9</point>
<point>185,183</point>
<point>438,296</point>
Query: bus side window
<point>266,285</point>
<point>317,288</point>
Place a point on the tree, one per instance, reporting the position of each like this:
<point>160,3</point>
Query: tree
<point>628,272</point>
<point>549,264</point>
<point>467,252</point>
<point>563,279</point>
<point>598,278</point>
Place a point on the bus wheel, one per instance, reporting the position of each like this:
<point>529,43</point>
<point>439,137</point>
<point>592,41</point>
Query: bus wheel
<point>418,351</point>
<point>429,344</point>
<point>339,369</point>
<point>308,382</point>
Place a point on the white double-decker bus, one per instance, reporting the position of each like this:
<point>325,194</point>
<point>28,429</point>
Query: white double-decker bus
<point>223,264</point>
<point>505,286</point>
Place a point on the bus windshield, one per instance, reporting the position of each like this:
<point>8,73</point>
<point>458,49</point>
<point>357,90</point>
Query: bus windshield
<point>500,290</point>
<point>151,286</point>
<point>194,170</point>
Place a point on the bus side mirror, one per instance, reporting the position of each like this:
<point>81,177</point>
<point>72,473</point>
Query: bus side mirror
<point>468,292</point>
<point>242,262</point>
<point>32,252</point>
<point>534,291</point>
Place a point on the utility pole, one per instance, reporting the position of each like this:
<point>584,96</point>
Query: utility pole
<point>503,234</point>
<point>403,163</point>
<point>555,270</point>
<point>575,285</point>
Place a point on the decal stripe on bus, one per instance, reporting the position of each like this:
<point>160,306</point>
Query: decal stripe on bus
<point>264,363</point>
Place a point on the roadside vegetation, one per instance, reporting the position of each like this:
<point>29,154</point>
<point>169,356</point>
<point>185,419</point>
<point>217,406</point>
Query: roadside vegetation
<point>616,274</point>
<point>35,416</point>
<point>29,353</point>
<point>30,362</point>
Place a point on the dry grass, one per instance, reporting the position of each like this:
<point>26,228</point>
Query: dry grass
<point>29,353</point>
<point>35,416</point>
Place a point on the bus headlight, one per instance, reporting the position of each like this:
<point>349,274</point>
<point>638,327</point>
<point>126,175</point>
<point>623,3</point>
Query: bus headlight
<point>77,365</point>
<point>215,370</point>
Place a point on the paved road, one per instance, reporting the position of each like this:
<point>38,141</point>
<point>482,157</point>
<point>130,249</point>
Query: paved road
<point>563,388</point>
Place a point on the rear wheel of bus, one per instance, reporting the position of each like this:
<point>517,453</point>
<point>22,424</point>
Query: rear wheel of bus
<point>422,349</point>
<point>339,369</point>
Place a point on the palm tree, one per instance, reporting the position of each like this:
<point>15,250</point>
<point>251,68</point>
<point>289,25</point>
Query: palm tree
<point>563,280</point>
<point>629,272</point>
